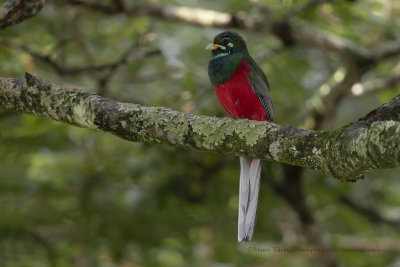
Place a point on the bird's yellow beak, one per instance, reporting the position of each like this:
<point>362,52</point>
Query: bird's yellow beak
<point>214,46</point>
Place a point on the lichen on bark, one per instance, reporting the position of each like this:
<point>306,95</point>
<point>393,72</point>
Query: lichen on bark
<point>373,142</point>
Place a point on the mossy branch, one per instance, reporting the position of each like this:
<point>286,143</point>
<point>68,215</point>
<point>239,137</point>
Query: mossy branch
<point>16,11</point>
<point>373,142</point>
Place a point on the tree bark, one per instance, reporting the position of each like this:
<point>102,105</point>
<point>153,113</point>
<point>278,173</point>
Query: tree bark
<point>16,11</point>
<point>372,142</point>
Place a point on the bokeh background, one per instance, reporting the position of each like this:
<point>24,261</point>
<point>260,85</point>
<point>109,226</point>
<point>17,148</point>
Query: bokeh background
<point>78,197</point>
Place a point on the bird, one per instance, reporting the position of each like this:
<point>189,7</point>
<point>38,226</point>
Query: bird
<point>242,90</point>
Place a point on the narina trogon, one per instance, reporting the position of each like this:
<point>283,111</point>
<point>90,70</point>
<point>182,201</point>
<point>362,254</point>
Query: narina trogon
<point>243,92</point>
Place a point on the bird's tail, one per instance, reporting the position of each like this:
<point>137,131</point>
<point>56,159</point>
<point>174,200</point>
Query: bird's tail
<point>249,186</point>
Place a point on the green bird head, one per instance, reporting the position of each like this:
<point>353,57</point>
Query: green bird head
<point>227,43</point>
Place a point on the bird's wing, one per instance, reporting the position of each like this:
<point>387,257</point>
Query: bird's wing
<point>259,83</point>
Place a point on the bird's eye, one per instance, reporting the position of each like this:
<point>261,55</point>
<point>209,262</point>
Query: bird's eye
<point>225,41</point>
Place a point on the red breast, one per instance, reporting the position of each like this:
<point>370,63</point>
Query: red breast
<point>237,97</point>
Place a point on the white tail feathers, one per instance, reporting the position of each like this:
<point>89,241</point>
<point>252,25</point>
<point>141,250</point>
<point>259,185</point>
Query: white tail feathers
<point>249,187</point>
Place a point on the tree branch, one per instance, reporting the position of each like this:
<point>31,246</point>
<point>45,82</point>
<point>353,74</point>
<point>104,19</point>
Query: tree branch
<point>288,33</point>
<point>132,55</point>
<point>16,11</point>
<point>373,214</point>
<point>345,153</point>
<point>379,84</point>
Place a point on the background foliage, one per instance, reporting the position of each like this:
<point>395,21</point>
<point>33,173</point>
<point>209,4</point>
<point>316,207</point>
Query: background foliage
<point>77,197</point>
